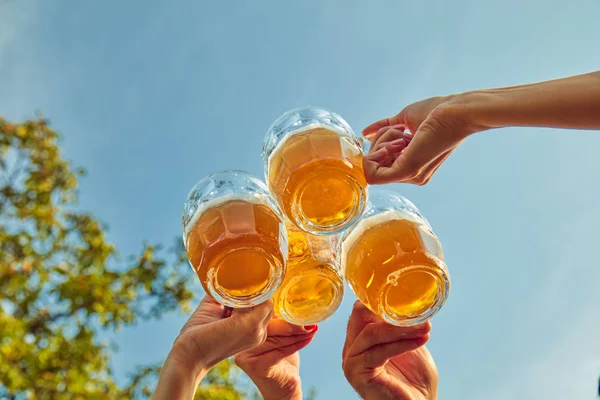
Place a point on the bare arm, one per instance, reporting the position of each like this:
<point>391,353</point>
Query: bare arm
<point>572,102</point>
<point>438,125</point>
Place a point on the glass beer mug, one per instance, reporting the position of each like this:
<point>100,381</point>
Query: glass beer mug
<point>394,262</point>
<point>313,287</point>
<point>235,238</point>
<point>313,167</point>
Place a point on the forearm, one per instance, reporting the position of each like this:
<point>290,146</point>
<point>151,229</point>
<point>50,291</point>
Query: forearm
<point>177,382</point>
<point>572,102</point>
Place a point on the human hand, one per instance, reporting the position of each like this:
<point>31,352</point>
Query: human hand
<point>439,124</point>
<point>436,127</point>
<point>212,334</point>
<point>383,361</point>
<point>274,366</point>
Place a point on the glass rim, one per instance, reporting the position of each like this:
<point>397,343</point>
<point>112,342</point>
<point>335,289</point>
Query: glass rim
<point>254,179</point>
<point>443,283</point>
<point>345,125</point>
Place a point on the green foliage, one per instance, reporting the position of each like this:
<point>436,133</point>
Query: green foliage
<point>61,283</point>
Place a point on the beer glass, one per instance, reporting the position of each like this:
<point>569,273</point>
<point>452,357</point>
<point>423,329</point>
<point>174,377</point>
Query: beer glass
<point>235,238</point>
<point>313,167</point>
<point>394,262</point>
<point>313,287</point>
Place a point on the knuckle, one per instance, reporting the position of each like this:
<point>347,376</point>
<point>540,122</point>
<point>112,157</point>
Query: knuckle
<point>347,368</point>
<point>244,363</point>
<point>420,181</point>
<point>358,307</point>
<point>239,360</point>
<point>259,334</point>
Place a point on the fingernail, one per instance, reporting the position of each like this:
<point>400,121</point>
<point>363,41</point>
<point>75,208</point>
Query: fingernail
<point>311,328</point>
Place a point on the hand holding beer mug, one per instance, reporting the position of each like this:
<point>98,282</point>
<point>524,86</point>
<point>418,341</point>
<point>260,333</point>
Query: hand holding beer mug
<point>313,287</point>
<point>235,238</point>
<point>313,167</point>
<point>394,262</point>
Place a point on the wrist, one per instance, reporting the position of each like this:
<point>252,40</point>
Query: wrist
<point>473,111</point>
<point>272,390</point>
<point>189,365</point>
<point>177,380</point>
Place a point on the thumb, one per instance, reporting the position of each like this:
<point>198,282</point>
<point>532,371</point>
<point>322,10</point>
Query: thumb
<point>246,328</point>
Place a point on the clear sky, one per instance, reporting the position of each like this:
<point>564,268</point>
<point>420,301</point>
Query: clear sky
<point>153,95</point>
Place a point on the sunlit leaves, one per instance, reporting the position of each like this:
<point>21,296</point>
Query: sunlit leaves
<point>61,282</point>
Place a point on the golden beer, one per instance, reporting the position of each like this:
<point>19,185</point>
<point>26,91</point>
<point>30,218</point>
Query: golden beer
<point>394,264</point>
<point>313,288</point>
<point>236,245</point>
<point>314,170</point>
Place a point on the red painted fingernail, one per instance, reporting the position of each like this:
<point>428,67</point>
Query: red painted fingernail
<point>311,328</point>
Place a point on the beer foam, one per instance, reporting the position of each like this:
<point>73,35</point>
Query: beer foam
<point>305,129</point>
<point>214,203</point>
<point>370,222</point>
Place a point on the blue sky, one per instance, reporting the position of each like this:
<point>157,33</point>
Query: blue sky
<point>151,96</point>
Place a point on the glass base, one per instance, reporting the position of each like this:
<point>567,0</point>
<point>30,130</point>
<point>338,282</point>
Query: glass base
<point>414,294</point>
<point>328,224</point>
<point>224,285</point>
<point>310,298</point>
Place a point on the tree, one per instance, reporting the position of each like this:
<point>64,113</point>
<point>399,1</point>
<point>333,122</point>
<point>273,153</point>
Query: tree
<point>61,283</point>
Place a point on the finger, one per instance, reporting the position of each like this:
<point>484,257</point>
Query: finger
<point>288,350</point>
<point>209,310</point>
<point>394,149</point>
<point>275,343</point>
<point>275,356</point>
<point>389,136</point>
<point>256,315</point>
<point>246,328</point>
<point>279,327</point>
<point>429,142</point>
<point>361,316</point>
<point>426,145</point>
<point>384,133</point>
<point>375,126</point>
<point>377,156</point>
<point>384,156</point>
<point>396,146</point>
<point>386,163</point>
<point>379,355</point>
<point>379,333</point>
<point>379,170</point>
<point>209,303</point>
